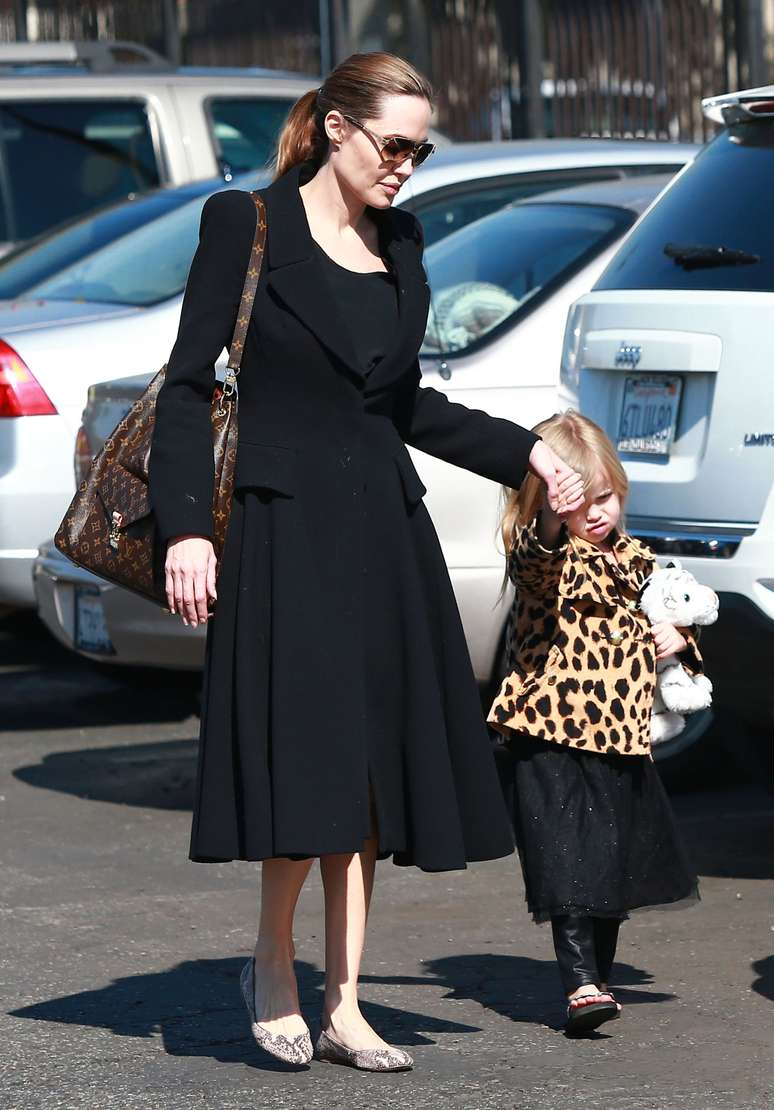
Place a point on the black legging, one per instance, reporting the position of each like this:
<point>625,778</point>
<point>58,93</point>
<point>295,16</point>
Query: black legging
<point>585,949</point>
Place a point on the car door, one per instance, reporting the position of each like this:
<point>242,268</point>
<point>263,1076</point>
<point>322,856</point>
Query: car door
<point>500,290</point>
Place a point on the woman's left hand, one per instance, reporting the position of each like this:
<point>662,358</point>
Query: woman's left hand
<point>564,486</point>
<point>668,640</point>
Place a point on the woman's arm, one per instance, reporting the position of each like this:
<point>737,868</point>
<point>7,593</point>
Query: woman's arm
<point>181,462</point>
<point>487,445</point>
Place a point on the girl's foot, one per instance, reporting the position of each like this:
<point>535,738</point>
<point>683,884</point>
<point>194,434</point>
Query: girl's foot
<point>589,1008</point>
<point>277,1008</point>
<point>604,990</point>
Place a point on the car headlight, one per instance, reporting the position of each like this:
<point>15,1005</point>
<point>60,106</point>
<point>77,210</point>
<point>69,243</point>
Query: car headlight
<point>569,372</point>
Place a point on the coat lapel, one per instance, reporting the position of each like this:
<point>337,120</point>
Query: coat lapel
<point>295,274</point>
<point>404,258</point>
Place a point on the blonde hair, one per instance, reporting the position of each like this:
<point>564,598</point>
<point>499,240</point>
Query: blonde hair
<point>356,87</point>
<point>581,444</point>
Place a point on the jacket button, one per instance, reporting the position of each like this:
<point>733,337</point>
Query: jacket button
<point>616,636</point>
<point>551,680</point>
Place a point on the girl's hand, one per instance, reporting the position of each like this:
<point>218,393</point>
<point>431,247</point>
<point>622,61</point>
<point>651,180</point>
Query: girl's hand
<point>190,578</point>
<point>668,640</point>
<point>564,487</point>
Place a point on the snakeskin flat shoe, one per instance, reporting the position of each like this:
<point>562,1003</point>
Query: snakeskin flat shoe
<point>293,1050</point>
<point>366,1059</point>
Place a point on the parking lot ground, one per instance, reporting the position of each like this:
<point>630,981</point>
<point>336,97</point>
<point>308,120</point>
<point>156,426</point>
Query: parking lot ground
<point>120,959</point>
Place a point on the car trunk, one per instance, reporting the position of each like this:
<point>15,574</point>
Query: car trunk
<point>109,402</point>
<point>681,341</point>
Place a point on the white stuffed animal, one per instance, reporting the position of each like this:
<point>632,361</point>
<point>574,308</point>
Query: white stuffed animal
<point>673,594</point>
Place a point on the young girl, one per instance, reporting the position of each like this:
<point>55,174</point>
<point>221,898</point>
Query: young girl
<point>594,828</point>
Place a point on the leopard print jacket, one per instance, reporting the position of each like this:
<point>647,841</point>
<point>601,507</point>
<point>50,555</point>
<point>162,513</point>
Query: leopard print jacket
<point>580,656</point>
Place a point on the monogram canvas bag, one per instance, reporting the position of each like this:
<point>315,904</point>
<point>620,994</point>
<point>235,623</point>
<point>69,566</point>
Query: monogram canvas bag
<point>109,527</point>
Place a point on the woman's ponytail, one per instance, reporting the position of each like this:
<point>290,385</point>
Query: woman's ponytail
<point>302,138</point>
<point>357,87</point>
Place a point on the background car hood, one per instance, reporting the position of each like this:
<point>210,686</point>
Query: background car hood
<point>28,314</point>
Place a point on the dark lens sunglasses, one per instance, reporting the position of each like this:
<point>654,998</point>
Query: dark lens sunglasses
<point>395,148</point>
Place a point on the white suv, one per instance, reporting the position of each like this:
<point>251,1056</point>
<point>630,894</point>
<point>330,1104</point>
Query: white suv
<point>672,354</point>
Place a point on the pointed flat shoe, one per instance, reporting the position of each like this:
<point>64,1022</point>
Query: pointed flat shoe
<point>365,1059</point>
<point>292,1050</point>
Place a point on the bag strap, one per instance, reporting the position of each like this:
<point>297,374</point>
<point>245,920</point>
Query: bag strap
<point>248,297</point>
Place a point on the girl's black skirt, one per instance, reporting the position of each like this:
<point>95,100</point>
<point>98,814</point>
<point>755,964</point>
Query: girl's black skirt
<point>596,833</point>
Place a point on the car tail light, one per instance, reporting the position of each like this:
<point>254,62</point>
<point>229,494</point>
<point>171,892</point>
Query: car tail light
<point>83,455</point>
<point>20,394</point>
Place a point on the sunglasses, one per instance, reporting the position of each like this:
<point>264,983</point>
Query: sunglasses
<point>395,148</point>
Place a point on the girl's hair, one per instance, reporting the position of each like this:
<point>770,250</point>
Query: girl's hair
<point>580,443</point>
<point>356,87</point>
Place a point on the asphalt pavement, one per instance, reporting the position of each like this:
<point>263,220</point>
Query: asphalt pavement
<point>121,959</point>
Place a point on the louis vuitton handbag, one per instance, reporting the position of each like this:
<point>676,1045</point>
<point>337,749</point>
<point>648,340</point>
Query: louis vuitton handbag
<point>109,527</point>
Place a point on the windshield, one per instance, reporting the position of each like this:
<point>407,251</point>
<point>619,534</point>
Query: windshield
<point>102,257</point>
<point>487,275</point>
<point>713,228</point>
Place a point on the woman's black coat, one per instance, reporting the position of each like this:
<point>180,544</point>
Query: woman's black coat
<point>337,677</point>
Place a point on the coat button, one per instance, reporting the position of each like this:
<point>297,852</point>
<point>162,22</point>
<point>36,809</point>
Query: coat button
<point>616,636</point>
<point>551,680</point>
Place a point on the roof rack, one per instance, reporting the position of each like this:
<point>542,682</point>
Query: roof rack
<point>101,56</point>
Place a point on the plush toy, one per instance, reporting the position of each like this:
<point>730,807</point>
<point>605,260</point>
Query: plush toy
<point>673,594</point>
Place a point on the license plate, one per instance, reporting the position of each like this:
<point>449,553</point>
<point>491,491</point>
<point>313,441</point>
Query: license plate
<point>91,632</point>
<point>649,414</point>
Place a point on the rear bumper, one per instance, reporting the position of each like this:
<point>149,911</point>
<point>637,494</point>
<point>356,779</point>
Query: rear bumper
<point>735,561</point>
<point>36,485</point>
<point>141,634</point>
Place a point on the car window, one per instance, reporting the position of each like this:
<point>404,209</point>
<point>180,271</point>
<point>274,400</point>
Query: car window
<point>723,200</point>
<point>245,129</point>
<point>446,210</point>
<point>61,158</point>
<point>147,265</point>
<point>492,272</point>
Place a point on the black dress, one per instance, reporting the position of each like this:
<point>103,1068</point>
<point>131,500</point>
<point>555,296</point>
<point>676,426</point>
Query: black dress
<point>370,303</point>
<point>595,832</point>
<point>401,758</point>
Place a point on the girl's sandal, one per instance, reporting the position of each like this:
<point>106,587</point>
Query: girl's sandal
<point>590,1011</point>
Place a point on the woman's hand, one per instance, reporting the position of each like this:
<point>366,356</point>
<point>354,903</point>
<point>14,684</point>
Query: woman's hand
<point>190,577</point>
<point>668,640</point>
<point>564,487</point>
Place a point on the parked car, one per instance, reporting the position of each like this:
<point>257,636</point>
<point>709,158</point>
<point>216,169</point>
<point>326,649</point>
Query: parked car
<point>110,308</point>
<point>469,180</point>
<point>671,353</point>
<point>79,116</point>
<point>100,297</point>
<point>500,292</point>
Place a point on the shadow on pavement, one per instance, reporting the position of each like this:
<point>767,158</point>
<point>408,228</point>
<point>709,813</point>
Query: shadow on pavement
<point>525,989</point>
<point>160,775</point>
<point>728,833</point>
<point>197,1009</point>
<point>46,686</point>
<point>764,984</point>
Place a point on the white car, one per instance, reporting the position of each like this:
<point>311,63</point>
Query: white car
<point>92,305</point>
<point>122,129</point>
<point>500,292</point>
<point>672,354</point>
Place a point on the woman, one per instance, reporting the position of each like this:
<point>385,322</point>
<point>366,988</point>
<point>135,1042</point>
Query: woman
<point>341,719</point>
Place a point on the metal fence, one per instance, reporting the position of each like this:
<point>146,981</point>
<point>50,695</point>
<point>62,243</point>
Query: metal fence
<point>613,68</point>
<point>503,68</point>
